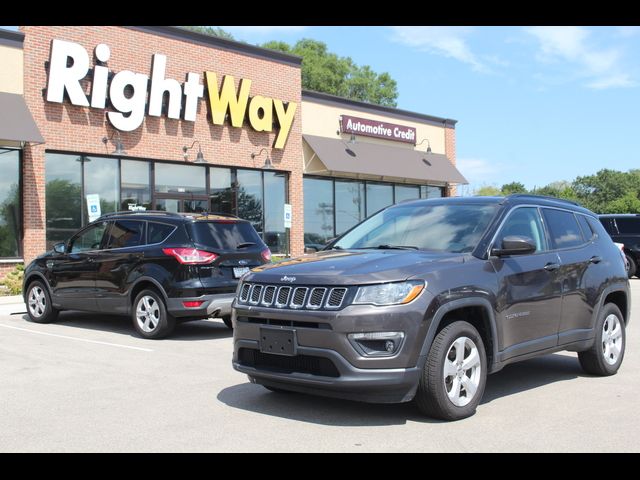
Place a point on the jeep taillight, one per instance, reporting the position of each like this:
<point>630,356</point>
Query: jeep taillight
<point>190,256</point>
<point>266,255</point>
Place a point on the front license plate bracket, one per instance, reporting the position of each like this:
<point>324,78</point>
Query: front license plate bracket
<point>278,341</point>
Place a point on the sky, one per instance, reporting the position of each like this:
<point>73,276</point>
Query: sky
<point>534,104</point>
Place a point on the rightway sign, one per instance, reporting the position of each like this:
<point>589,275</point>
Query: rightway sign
<point>377,129</point>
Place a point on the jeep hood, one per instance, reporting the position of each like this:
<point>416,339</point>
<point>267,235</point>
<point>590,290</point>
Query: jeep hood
<point>354,267</point>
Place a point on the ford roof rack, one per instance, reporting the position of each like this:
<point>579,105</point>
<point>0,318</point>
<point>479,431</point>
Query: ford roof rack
<point>544,197</point>
<point>139,212</point>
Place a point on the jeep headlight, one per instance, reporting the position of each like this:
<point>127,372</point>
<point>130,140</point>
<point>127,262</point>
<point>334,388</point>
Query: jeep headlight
<point>390,293</point>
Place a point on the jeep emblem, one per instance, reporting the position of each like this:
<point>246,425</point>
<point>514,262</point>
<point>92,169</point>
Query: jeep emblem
<point>288,279</point>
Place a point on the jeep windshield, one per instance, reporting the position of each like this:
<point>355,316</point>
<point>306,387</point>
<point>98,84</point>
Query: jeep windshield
<point>455,228</point>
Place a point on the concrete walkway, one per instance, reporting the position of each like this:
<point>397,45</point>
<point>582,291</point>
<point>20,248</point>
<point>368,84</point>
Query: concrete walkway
<point>12,304</point>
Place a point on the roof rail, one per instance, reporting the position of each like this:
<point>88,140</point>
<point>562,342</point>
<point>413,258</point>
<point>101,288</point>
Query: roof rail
<point>139,212</point>
<point>545,197</point>
<point>203,214</point>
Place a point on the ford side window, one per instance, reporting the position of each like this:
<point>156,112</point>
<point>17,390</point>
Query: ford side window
<point>126,233</point>
<point>88,240</point>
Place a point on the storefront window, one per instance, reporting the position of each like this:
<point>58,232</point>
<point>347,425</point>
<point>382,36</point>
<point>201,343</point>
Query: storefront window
<point>318,211</point>
<point>135,192</point>
<point>221,188</point>
<point>9,203</point>
<point>172,178</point>
<point>406,192</point>
<point>101,178</point>
<point>275,186</point>
<point>428,191</point>
<point>349,205</point>
<point>379,196</point>
<point>250,197</point>
<point>63,175</point>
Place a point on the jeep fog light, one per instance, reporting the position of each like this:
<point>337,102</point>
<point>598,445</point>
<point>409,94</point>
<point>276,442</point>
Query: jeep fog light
<point>376,344</point>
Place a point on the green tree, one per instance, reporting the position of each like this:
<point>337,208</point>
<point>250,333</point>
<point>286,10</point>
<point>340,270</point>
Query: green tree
<point>598,191</point>
<point>488,191</point>
<point>213,31</point>
<point>513,187</point>
<point>324,71</point>
<point>629,203</point>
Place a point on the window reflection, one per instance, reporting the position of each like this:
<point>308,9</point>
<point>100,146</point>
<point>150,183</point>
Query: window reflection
<point>221,189</point>
<point>349,205</point>
<point>101,178</point>
<point>250,197</point>
<point>135,189</point>
<point>318,211</point>
<point>10,216</point>
<point>171,178</point>
<point>274,200</point>
<point>406,192</point>
<point>63,196</point>
<point>379,195</point>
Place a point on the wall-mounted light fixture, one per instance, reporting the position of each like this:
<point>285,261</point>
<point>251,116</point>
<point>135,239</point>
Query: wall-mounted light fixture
<point>117,142</point>
<point>352,140</point>
<point>428,145</point>
<point>199,155</point>
<point>267,162</point>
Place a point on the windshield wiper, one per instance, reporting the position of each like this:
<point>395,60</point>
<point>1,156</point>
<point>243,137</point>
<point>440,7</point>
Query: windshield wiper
<point>396,247</point>
<point>245,244</point>
<point>388,247</point>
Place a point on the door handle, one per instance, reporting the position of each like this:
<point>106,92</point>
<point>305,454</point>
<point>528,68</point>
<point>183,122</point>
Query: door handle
<point>549,267</point>
<point>90,259</point>
<point>595,259</point>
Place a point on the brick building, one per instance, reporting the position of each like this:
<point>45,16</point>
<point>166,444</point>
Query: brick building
<point>98,119</point>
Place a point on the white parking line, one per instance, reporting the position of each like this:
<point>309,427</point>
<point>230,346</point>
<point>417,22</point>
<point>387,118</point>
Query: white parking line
<point>78,339</point>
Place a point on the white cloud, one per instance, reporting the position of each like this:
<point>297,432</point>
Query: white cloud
<point>449,42</point>
<point>601,67</point>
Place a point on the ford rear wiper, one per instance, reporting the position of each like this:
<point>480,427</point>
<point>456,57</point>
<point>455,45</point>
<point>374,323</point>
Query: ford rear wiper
<point>245,244</point>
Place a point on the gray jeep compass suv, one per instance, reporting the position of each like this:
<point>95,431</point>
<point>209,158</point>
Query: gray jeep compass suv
<point>425,298</point>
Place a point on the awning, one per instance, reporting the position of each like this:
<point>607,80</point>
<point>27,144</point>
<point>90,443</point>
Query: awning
<point>16,122</point>
<point>375,159</point>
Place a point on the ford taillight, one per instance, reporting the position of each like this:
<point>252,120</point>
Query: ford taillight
<point>266,255</point>
<point>190,256</point>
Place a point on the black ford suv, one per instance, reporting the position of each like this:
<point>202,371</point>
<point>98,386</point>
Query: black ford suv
<point>625,229</point>
<point>158,267</point>
<point>425,298</point>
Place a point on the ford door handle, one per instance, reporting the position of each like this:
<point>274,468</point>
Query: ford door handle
<point>549,267</point>
<point>595,259</point>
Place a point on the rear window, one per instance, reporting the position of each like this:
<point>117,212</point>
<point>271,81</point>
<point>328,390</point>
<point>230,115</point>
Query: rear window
<point>126,233</point>
<point>158,232</point>
<point>628,225</point>
<point>563,228</point>
<point>224,235</point>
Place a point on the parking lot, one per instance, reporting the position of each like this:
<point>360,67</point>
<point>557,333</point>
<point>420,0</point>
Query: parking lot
<point>88,383</point>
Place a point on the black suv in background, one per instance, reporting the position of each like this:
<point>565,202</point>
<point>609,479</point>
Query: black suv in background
<point>425,298</point>
<point>158,267</point>
<point>625,229</point>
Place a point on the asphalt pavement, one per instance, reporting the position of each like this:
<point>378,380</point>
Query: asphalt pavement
<point>87,383</point>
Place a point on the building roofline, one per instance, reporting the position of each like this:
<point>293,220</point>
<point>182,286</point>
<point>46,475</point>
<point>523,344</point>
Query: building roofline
<point>329,99</point>
<point>10,38</point>
<point>180,33</point>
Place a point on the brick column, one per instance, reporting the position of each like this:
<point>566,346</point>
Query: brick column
<point>33,202</point>
<point>450,152</point>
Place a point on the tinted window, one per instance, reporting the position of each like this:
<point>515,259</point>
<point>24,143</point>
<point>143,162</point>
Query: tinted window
<point>222,194</point>
<point>101,178</point>
<point>158,232</point>
<point>126,233</point>
<point>135,192</point>
<point>524,222</point>
<point>225,235</point>
<point>450,228</point>
<point>63,196</point>
<point>250,197</point>
<point>563,228</point>
<point>171,178</point>
<point>349,205</point>
<point>90,239</point>
<point>406,193</point>
<point>318,211</point>
<point>628,225</point>
<point>10,214</point>
<point>584,225</point>
<point>379,196</point>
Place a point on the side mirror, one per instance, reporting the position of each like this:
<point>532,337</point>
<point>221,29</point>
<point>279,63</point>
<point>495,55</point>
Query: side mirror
<point>60,247</point>
<point>514,245</point>
<point>310,249</point>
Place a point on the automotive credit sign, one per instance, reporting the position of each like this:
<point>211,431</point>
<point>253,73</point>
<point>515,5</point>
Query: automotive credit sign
<point>377,129</point>
<point>133,95</point>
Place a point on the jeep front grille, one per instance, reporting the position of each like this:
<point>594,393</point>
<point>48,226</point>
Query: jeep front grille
<point>287,297</point>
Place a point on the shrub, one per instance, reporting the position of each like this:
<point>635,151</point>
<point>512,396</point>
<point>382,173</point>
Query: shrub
<point>13,280</point>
